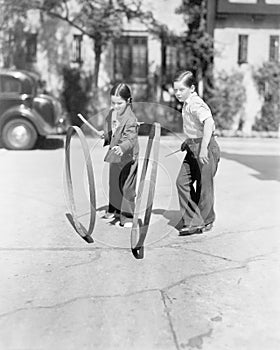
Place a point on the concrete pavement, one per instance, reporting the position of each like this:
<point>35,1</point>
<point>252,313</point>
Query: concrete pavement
<point>219,290</point>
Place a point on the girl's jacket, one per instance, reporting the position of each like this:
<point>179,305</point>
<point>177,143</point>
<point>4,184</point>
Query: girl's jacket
<point>125,136</point>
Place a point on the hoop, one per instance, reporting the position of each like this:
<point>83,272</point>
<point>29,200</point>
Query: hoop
<point>139,230</point>
<point>72,216</point>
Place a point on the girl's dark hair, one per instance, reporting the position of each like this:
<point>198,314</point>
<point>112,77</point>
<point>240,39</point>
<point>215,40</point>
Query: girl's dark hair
<point>186,77</point>
<point>123,91</point>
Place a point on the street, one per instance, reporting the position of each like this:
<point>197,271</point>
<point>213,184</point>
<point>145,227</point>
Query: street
<point>214,291</point>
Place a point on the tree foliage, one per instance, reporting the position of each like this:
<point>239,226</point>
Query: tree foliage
<point>101,20</point>
<point>198,43</point>
<point>12,18</point>
<point>227,99</point>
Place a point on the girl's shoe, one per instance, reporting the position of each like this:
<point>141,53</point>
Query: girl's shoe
<point>207,227</point>
<point>127,224</point>
<point>108,215</point>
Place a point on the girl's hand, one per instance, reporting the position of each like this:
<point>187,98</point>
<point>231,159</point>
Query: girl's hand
<point>117,150</point>
<point>203,156</point>
<point>101,134</point>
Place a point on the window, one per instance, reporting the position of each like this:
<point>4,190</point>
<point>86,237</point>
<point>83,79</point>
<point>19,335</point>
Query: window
<point>170,60</point>
<point>130,59</point>
<point>10,84</point>
<point>173,59</point>
<point>77,48</point>
<point>242,49</point>
<point>31,47</point>
<point>274,48</point>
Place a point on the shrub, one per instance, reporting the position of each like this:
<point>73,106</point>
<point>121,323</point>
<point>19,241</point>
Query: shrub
<point>267,79</point>
<point>226,99</point>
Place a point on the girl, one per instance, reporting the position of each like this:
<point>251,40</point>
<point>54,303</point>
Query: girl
<point>201,161</point>
<point>121,134</point>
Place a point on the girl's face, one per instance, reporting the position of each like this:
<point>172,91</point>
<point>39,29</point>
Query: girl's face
<point>182,92</point>
<point>118,104</point>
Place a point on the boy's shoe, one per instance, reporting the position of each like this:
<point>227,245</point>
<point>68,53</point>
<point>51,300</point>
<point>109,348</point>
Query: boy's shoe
<point>189,230</point>
<point>179,225</point>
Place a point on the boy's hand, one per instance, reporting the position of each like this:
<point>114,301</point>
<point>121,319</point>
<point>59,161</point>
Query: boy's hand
<point>117,150</point>
<point>203,155</point>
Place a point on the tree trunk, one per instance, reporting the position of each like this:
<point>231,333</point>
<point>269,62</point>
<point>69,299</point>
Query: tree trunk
<point>97,52</point>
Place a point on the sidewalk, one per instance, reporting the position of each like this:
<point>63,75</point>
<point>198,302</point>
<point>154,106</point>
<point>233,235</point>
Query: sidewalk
<point>216,291</point>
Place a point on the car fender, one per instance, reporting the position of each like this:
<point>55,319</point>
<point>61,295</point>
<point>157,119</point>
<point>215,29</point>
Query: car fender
<point>22,111</point>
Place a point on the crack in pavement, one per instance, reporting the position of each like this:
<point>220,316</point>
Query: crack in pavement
<point>207,237</point>
<point>164,296</point>
<point>184,280</point>
<point>58,249</point>
<point>213,255</point>
<point>194,342</point>
<point>236,232</point>
<point>204,253</point>
<point>174,245</point>
<point>73,300</point>
<point>163,290</point>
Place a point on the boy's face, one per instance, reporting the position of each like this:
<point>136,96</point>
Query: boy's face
<point>182,92</point>
<point>118,104</point>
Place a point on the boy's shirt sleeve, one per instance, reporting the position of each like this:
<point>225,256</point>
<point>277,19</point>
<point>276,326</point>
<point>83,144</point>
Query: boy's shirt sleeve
<point>200,110</point>
<point>129,136</point>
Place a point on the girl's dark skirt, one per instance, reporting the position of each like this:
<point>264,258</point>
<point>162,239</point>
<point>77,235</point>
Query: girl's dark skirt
<point>122,189</point>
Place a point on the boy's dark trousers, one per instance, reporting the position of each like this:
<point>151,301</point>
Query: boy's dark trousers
<point>195,185</point>
<point>122,189</point>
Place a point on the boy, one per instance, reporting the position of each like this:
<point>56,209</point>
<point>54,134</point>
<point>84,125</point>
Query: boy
<point>201,161</point>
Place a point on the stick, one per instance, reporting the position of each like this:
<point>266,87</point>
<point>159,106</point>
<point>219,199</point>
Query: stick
<point>88,124</point>
<point>170,154</point>
<point>92,127</point>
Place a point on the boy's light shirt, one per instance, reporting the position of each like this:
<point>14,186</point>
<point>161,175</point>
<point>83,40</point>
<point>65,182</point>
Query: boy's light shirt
<point>194,112</point>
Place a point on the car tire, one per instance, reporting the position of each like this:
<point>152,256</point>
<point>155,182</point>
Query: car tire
<point>19,134</point>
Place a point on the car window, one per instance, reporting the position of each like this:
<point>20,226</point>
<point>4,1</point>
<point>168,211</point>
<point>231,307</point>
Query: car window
<point>10,84</point>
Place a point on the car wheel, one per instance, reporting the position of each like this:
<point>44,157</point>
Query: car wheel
<point>19,134</point>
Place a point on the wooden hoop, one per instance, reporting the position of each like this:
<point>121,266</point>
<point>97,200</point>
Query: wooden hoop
<point>73,217</point>
<point>139,230</point>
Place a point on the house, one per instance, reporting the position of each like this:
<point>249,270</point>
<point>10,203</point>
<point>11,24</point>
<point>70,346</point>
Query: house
<point>139,57</point>
<point>246,34</point>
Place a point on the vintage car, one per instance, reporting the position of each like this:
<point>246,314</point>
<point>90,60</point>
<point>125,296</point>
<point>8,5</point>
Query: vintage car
<point>25,114</point>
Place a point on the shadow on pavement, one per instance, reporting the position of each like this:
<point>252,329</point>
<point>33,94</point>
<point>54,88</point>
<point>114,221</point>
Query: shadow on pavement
<point>47,144</point>
<point>50,143</point>
<point>174,216</point>
<point>267,166</point>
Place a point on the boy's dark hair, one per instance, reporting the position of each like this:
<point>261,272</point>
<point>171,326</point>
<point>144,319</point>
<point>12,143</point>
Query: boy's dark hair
<point>123,91</point>
<point>186,77</point>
